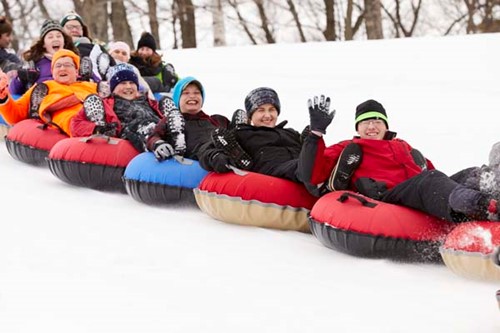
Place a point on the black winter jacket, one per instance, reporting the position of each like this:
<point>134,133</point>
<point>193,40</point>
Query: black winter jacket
<point>274,151</point>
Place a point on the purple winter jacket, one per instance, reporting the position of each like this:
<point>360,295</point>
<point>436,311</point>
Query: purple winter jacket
<point>43,65</point>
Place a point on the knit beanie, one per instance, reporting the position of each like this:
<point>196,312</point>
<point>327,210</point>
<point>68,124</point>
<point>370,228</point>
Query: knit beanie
<point>261,96</point>
<point>147,40</point>
<point>70,16</point>
<point>370,109</point>
<point>120,73</point>
<point>119,46</point>
<point>5,25</point>
<point>181,85</point>
<point>48,26</point>
<point>65,53</point>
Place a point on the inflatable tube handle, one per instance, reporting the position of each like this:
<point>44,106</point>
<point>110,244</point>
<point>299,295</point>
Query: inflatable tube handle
<point>180,159</point>
<point>361,199</point>
<point>237,171</point>
<point>108,139</point>
<point>44,126</point>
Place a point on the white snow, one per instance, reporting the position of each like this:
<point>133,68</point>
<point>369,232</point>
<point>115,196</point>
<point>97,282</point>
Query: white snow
<point>77,260</point>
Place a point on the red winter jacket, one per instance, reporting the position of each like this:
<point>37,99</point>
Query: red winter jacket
<point>388,161</point>
<point>81,126</point>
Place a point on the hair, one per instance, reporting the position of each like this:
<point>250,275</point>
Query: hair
<point>5,25</point>
<point>154,60</point>
<point>37,50</point>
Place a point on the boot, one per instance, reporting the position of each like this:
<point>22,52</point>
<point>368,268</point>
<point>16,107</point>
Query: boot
<point>225,139</point>
<point>85,68</point>
<point>103,63</point>
<point>348,162</point>
<point>474,204</point>
<point>240,117</point>
<point>94,110</point>
<point>37,95</point>
<point>175,126</point>
<point>166,105</point>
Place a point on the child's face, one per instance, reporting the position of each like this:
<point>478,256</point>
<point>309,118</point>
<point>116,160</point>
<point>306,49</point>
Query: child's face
<point>5,40</point>
<point>191,99</point>
<point>145,52</point>
<point>120,55</point>
<point>126,90</point>
<point>265,115</point>
<point>53,41</point>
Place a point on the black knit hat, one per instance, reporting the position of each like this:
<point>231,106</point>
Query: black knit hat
<point>370,109</point>
<point>49,25</point>
<point>261,96</point>
<point>147,40</point>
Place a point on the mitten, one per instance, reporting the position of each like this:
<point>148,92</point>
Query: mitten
<point>108,129</point>
<point>220,162</point>
<point>319,113</point>
<point>163,150</point>
<point>4,86</point>
<point>28,76</point>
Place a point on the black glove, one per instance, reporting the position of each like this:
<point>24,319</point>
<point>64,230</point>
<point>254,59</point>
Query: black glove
<point>28,76</point>
<point>108,129</point>
<point>319,113</point>
<point>219,162</point>
<point>163,150</point>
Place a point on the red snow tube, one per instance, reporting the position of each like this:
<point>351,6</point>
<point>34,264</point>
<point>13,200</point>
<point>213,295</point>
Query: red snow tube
<point>96,162</point>
<point>472,250</point>
<point>255,199</point>
<point>30,141</point>
<point>360,226</point>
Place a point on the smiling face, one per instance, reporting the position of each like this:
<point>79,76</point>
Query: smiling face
<point>53,41</point>
<point>191,99</point>
<point>265,115</point>
<point>373,129</point>
<point>120,55</point>
<point>126,90</point>
<point>64,71</point>
<point>73,28</point>
<point>145,52</point>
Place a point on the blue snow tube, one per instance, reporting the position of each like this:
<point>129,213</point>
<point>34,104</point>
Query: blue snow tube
<point>152,182</point>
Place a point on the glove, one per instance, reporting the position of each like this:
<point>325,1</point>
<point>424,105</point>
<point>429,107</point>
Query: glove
<point>4,86</point>
<point>108,129</point>
<point>28,76</point>
<point>319,113</point>
<point>219,162</point>
<point>163,150</point>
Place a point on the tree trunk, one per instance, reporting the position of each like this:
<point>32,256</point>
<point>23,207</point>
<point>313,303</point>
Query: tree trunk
<point>185,13</point>
<point>373,19</point>
<point>153,21</point>
<point>119,22</point>
<point>264,21</point>
<point>296,19</point>
<point>330,33</point>
<point>219,29</point>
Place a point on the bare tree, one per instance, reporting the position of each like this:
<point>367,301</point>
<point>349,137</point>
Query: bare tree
<point>218,26</point>
<point>265,24</point>
<point>153,21</point>
<point>242,21</point>
<point>351,29</point>
<point>329,32</point>
<point>296,19</point>
<point>95,15</point>
<point>373,19</point>
<point>185,14</point>
<point>119,22</point>
<point>399,22</point>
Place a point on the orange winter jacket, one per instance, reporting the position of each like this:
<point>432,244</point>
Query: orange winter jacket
<point>62,103</point>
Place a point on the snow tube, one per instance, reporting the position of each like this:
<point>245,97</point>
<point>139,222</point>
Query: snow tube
<point>169,181</point>
<point>472,250</point>
<point>30,141</point>
<point>255,199</point>
<point>360,226</point>
<point>96,162</point>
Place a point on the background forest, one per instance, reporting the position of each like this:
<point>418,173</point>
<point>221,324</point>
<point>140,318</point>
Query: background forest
<point>208,23</point>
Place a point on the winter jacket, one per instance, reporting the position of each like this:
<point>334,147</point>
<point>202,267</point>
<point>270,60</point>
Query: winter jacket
<point>8,61</point>
<point>63,101</point>
<point>81,126</point>
<point>165,73</point>
<point>44,68</point>
<point>274,151</point>
<point>387,161</point>
<point>197,130</point>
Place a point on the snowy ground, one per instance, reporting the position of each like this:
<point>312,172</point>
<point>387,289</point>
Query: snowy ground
<point>78,260</point>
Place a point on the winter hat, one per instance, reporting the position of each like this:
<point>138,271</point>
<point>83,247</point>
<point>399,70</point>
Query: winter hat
<point>65,53</point>
<point>181,85</point>
<point>70,16</point>
<point>119,46</point>
<point>261,96</point>
<point>5,25</point>
<point>48,26</point>
<point>147,40</point>
<point>122,72</point>
<point>370,109</point>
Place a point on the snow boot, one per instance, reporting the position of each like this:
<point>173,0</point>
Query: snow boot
<point>85,68</point>
<point>166,105</point>
<point>474,204</point>
<point>240,117</point>
<point>94,110</point>
<point>419,159</point>
<point>175,126</point>
<point>225,139</point>
<point>103,62</point>
<point>37,95</point>
<point>348,162</point>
